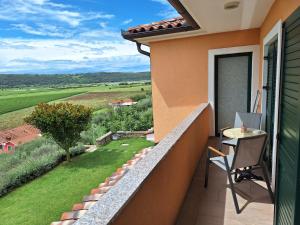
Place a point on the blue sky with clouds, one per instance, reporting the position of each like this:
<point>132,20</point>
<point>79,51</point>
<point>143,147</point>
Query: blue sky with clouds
<point>68,36</point>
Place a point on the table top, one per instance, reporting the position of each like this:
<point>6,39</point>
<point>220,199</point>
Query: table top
<point>236,133</point>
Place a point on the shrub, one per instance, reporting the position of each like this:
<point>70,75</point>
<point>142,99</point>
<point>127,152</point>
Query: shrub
<point>29,161</point>
<point>89,136</point>
<point>144,104</point>
<point>138,97</point>
<point>133,118</point>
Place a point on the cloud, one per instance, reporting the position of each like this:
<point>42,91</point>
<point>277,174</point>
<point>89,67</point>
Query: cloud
<point>45,56</point>
<point>100,34</point>
<point>168,11</point>
<point>63,38</point>
<point>103,24</point>
<point>42,30</point>
<point>164,2</point>
<point>34,10</point>
<point>125,22</point>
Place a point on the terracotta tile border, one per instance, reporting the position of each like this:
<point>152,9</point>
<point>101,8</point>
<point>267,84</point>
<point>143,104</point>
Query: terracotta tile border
<point>79,209</point>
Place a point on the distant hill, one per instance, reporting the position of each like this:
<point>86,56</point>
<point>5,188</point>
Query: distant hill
<point>23,80</point>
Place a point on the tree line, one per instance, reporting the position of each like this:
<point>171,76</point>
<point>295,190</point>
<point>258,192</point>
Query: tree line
<point>25,80</point>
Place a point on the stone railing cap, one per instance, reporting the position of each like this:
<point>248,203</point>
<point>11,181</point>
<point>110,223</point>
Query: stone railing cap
<point>108,207</point>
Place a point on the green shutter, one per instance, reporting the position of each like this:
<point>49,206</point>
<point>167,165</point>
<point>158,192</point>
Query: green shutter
<point>288,174</point>
<point>271,90</point>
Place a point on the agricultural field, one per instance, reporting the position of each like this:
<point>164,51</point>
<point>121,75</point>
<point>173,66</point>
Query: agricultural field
<point>16,104</point>
<point>11,103</point>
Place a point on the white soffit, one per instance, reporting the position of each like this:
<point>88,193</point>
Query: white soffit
<point>213,18</point>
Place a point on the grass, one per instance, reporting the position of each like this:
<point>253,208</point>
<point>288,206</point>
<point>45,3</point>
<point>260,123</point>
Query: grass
<point>29,161</point>
<point>16,104</point>
<point>14,119</point>
<point>43,200</point>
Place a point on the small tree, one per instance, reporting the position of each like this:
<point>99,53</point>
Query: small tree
<point>63,122</point>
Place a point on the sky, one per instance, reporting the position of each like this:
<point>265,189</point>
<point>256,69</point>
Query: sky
<point>74,36</point>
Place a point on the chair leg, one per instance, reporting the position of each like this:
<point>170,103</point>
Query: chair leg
<point>268,183</point>
<point>220,141</point>
<point>236,204</point>
<point>207,170</point>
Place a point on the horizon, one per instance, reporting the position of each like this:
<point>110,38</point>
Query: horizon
<point>83,73</point>
<point>63,37</point>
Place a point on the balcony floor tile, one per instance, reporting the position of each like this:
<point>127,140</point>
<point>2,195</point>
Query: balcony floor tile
<point>214,205</point>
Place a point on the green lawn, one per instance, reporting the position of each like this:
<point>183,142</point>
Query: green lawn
<point>43,200</point>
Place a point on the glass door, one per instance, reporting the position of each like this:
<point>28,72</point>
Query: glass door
<point>233,87</point>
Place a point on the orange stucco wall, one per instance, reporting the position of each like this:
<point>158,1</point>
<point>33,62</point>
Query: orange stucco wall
<point>179,68</point>
<point>179,71</point>
<point>280,10</point>
<point>159,199</point>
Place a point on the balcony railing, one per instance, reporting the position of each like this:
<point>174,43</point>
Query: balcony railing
<point>154,190</point>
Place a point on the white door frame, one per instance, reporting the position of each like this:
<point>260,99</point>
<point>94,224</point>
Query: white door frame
<point>276,32</point>
<point>254,49</point>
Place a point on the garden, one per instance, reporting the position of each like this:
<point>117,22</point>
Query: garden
<point>37,184</point>
<point>44,199</point>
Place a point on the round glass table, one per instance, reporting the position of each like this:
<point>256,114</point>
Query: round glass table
<point>236,133</point>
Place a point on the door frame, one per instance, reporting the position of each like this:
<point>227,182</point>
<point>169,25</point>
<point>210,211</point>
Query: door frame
<point>276,32</point>
<point>212,53</point>
<point>249,81</point>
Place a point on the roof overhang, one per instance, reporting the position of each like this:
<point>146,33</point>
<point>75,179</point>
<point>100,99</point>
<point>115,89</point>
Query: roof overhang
<point>155,33</point>
<point>212,17</point>
<point>189,24</point>
<point>180,8</point>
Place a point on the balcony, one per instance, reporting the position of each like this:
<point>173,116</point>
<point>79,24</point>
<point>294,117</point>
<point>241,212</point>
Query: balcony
<point>163,187</point>
<point>214,205</point>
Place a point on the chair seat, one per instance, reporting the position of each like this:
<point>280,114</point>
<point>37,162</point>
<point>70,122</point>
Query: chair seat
<point>220,162</point>
<point>231,142</point>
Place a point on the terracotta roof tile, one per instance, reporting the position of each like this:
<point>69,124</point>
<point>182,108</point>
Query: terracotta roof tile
<point>81,206</point>
<point>66,222</point>
<point>164,24</point>
<point>20,135</point>
<point>122,101</point>
<point>172,25</point>
<point>74,215</point>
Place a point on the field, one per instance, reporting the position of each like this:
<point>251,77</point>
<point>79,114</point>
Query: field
<point>11,103</point>
<point>15,104</point>
<point>44,199</point>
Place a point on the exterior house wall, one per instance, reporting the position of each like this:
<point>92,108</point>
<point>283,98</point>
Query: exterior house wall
<point>180,67</point>
<point>158,200</point>
<point>179,71</point>
<point>280,10</point>
<point>7,147</point>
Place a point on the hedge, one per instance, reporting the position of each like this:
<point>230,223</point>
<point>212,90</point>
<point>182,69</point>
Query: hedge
<point>30,161</point>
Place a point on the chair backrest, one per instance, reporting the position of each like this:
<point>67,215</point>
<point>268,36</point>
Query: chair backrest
<point>250,120</point>
<point>249,151</point>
